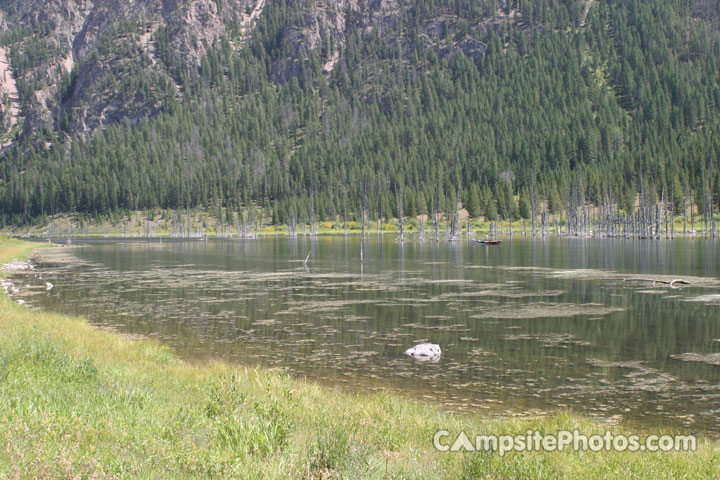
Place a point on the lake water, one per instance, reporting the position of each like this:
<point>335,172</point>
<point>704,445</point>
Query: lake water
<point>526,327</point>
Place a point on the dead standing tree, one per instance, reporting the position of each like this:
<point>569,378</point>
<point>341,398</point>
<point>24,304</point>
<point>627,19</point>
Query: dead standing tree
<point>505,198</point>
<point>570,205</point>
<point>383,187</point>
<point>292,223</point>
<point>343,194</point>
<point>712,187</point>
<point>422,210</point>
<point>313,228</point>
<point>399,194</point>
<point>455,232</point>
<point>708,217</point>
<point>533,205</point>
<point>364,208</point>
<point>436,218</point>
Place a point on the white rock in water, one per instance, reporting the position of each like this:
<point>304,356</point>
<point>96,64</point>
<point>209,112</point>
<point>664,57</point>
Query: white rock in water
<point>48,286</point>
<point>424,351</point>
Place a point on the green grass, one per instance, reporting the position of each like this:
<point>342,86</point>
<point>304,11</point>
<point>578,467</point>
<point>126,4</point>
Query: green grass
<point>78,402</point>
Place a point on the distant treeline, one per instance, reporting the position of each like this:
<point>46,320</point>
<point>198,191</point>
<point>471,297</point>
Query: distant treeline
<point>558,112</point>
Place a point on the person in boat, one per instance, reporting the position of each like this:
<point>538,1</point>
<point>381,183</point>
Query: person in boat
<point>487,238</point>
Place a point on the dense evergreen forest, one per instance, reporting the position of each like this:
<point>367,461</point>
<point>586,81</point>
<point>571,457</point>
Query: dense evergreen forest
<point>542,108</point>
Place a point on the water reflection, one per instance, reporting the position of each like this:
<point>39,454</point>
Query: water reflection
<point>526,327</point>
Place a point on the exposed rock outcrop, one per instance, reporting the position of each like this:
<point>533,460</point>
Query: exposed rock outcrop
<point>81,65</point>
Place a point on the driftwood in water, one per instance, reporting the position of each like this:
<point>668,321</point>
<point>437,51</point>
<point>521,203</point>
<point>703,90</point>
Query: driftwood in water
<point>672,283</point>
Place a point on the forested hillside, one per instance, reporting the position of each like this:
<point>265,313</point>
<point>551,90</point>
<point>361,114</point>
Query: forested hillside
<point>396,107</point>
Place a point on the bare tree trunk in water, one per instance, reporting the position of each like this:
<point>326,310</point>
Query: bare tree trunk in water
<point>454,233</point>
<point>692,211</point>
<point>436,219</point>
<point>707,206</point>
<point>345,227</point>
<point>313,231</point>
<point>362,238</point>
<point>401,214</point>
<point>533,206</point>
<point>684,207</point>
<point>672,223</point>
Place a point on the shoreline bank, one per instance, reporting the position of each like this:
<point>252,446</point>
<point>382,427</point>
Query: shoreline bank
<point>90,402</point>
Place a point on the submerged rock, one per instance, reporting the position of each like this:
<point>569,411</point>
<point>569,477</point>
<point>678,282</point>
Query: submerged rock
<point>424,351</point>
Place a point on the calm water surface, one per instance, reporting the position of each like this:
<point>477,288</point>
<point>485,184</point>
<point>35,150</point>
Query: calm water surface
<point>526,328</point>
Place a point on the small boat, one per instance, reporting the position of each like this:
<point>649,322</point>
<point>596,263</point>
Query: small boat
<point>488,242</point>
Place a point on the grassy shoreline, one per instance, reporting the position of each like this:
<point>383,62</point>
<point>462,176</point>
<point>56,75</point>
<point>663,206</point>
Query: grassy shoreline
<point>82,402</point>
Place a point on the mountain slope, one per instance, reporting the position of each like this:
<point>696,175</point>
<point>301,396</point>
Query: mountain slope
<point>327,108</point>
<point>73,59</point>
<point>87,64</point>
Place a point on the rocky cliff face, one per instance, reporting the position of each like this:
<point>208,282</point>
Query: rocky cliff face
<point>78,65</point>
<point>69,59</point>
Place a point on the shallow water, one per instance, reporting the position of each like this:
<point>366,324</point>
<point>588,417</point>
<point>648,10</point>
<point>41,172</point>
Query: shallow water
<point>525,328</point>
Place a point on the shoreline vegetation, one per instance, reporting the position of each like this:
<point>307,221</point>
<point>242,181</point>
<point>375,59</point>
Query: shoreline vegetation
<point>256,223</point>
<point>80,402</point>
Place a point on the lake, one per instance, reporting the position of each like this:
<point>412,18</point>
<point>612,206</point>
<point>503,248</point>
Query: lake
<point>526,327</point>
